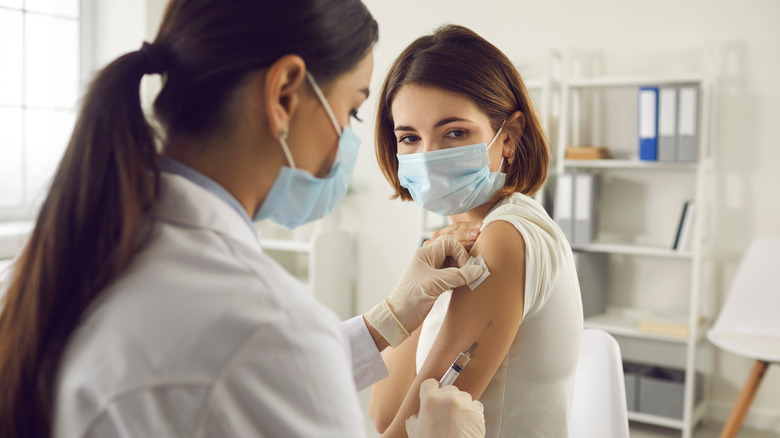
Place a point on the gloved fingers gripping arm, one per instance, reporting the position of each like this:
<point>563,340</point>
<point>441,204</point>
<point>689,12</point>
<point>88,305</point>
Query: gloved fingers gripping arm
<point>443,247</point>
<point>464,232</point>
<point>407,305</point>
<point>446,413</point>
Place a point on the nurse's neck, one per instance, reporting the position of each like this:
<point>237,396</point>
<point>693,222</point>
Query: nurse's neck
<point>476,214</point>
<point>236,163</point>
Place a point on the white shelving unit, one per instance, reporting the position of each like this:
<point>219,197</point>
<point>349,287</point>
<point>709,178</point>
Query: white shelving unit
<point>323,260</point>
<point>546,95</point>
<point>628,165</point>
<point>630,185</point>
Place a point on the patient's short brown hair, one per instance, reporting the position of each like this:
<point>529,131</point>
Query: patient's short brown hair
<point>456,59</point>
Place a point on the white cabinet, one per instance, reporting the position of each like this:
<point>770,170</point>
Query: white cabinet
<point>630,270</point>
<point>320,258</point>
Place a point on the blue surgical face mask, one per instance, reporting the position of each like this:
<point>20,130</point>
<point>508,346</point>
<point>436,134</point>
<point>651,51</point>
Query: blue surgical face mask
<point>453,180</point>
<point>297,196</point>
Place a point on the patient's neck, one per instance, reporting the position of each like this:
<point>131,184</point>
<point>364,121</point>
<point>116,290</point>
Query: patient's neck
<point>474,215</point>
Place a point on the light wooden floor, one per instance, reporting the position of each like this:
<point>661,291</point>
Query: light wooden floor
<point>638,430</point>
<point>706,430</point>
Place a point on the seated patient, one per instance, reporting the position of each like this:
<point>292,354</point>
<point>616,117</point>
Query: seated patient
<point>456,133</point>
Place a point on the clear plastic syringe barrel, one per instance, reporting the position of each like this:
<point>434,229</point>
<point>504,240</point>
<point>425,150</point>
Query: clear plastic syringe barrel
<point>455,369</point>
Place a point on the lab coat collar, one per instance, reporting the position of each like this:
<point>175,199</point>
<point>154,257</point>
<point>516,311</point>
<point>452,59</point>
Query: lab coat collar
<point>184,202</point>
<point>170,165</point>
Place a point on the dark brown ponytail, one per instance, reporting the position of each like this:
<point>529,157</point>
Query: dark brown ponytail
<point>95,216</point>
<point>86,233</point>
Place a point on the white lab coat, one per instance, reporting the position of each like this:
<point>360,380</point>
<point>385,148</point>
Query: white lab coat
<point>205,335</point>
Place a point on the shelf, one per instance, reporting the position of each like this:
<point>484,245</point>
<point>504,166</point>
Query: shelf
<point>628,165</point>
<point>630,81</point>
<point>13,236</point>
<point>673,423</point>
<point>633,249</point>
<point>656,420</point>
<point>625,322</point>
<point>285,245</point>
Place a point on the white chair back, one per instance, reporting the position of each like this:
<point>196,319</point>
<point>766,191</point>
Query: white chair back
<point>599,403</point>
<point>748,324</point>
<point>753,301</point>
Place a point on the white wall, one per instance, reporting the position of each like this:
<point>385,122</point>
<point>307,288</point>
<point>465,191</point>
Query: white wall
<point>748,151</point>
<point>116,27</point>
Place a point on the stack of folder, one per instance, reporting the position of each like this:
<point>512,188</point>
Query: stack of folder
<point>668,124</point>
<point>575,208</point>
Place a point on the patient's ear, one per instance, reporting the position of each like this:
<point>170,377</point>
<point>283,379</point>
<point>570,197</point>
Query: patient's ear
<point>513,128</point>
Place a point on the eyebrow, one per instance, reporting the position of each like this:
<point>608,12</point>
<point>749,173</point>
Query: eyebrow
<point>439,124</point>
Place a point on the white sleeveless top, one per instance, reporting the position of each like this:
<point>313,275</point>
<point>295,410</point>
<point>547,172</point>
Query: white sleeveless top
<point>530,394</point>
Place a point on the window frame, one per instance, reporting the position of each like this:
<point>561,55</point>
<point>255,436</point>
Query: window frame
<point>28,210</point>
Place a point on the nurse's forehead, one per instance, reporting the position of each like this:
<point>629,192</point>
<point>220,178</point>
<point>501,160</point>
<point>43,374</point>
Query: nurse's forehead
<point>355,80</point>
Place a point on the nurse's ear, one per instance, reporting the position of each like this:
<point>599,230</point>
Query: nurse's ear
<point>282,83</point>
<point>513,132</point>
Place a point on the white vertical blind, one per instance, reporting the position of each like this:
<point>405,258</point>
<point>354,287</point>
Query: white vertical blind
<point>11,71</point>
<point>39,90</point>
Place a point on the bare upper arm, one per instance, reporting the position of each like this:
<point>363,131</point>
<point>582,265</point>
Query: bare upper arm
<point>495,308</point>
<point>497,304</point>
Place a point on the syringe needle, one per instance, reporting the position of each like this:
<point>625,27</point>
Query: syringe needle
<point>471,349</point>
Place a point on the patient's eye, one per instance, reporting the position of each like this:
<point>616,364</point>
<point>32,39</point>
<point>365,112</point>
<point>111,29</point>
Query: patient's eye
<point>408,139</point>
<point>456,133</point>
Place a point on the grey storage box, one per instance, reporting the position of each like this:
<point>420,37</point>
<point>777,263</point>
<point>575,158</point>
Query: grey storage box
<point>663,392</point>
<point>631,374</point>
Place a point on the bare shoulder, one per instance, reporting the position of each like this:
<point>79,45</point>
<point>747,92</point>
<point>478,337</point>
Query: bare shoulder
<point>500,296</point>
<point>500,243</point>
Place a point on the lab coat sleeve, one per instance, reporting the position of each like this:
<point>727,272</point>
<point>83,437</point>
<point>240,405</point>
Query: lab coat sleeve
<point>367,364</point>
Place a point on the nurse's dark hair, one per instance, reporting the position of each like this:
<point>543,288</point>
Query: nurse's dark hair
<point>94,217</point>
<point>456,59</point>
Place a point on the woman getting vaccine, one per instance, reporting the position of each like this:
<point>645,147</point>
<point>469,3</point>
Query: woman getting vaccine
<point>458,135</point>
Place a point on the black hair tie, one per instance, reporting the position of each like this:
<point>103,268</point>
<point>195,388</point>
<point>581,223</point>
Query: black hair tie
<point>155,58</point>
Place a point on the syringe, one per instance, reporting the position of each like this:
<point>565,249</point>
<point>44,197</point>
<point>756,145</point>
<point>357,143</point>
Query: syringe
<point>457,367</point>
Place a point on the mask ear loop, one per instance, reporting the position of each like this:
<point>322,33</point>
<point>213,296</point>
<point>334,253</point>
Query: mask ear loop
<point>324,102</point>
<point>285,148</point>
<point>500,166</point>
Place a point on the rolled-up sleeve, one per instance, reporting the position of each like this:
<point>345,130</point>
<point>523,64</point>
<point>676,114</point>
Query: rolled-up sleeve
<point>367,364</point>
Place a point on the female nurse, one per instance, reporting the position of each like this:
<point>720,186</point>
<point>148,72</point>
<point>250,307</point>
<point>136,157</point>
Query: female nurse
<point>143,304</point>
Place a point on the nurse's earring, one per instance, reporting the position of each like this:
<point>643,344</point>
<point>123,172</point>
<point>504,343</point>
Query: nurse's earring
<point>283,140</point>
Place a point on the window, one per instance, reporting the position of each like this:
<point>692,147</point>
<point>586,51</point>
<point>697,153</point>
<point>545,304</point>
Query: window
<point>40,70</point>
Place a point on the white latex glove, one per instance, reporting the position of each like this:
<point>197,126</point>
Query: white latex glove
<point>446,413</point>
<point>425,279</point>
